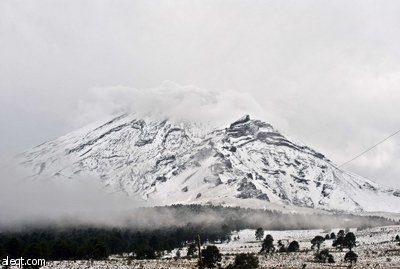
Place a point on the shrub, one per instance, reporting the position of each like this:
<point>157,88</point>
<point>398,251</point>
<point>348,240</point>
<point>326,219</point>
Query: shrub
<point>351,257</point>
<point>293,246</point>
<point>324,257</point>
<point>244,261</point>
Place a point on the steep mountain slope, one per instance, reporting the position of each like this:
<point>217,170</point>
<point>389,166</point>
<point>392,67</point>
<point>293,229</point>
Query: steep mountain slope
<point>248,163</point>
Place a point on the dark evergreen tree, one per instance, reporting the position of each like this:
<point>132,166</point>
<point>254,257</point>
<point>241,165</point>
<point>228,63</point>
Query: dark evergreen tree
<point>244,261</point>
<point>351,257</point>
<point>339,241</point>
<point>316,242</point>
<point>13,248</point>
<point>259,234</point>
<point>293,246</point>
<point>100,251</point>
<point>33,251</point>
<point>2,252</point>
<point>192,250</point>
<point>333,235</point>
<point>331,259</point>
<point>341,233</point>
<point>324,256</point>
<point>154,242</point>
<point>145,252</point>
<point>349,241</point>
<point>62,250</point>
<point>81,252</point>
<point>268,245</point>
<point>210,257</point>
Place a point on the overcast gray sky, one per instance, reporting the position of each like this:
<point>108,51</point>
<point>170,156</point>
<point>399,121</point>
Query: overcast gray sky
<point>328,71</point>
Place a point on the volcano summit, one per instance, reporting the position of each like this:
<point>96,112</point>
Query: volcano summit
<point>247,163</point>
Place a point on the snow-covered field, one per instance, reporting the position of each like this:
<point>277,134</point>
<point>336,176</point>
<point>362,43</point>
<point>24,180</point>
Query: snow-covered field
<point>376,248</point>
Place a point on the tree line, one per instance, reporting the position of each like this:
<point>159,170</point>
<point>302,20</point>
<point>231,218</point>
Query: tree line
<point>216,225</point>
<point>99,243</point>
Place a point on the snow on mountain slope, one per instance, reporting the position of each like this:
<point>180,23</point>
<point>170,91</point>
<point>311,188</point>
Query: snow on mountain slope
<point>248,163</point>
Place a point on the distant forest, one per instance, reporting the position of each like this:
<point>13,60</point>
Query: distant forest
<point>161,229</point>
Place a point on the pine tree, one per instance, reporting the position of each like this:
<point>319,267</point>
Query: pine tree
<point>259,234</point>
<point>317,241</point>
<point>244,261</point>
<point>333,235</point>
<point>210,257</point>
<point>349,240</point>
<point>293,246</point>
<point>324,257</point>
<point>192,250</point>
<point>268,244</point>
<point>351,257</point>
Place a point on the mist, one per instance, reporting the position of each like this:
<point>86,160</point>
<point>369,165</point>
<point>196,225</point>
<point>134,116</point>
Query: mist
<point>172,101</point>
<point>45,200</point>
<point>83,202</point>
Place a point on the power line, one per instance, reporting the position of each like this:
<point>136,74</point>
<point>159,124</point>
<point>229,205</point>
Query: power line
<point>365,151</point>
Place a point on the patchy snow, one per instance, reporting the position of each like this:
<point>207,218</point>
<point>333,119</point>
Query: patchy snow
<point>375,248</point>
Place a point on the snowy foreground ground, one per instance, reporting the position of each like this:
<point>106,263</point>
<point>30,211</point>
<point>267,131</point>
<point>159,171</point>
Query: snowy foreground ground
<point>376,249</point>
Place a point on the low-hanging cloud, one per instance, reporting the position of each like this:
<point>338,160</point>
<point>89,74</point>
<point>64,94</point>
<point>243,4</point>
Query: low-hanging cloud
<point>83,202</point>
<point>173,101</point>
<point>24,201</point>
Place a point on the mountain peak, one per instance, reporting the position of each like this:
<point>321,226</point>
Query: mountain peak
<point>249,164</point>
<point>243,119</point>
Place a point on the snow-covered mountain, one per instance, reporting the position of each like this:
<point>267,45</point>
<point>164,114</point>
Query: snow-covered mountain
<point>248,163</point>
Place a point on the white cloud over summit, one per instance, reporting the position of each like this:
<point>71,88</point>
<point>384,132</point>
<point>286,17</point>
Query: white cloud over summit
<point>173,101</point>
<point>325,72</point>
